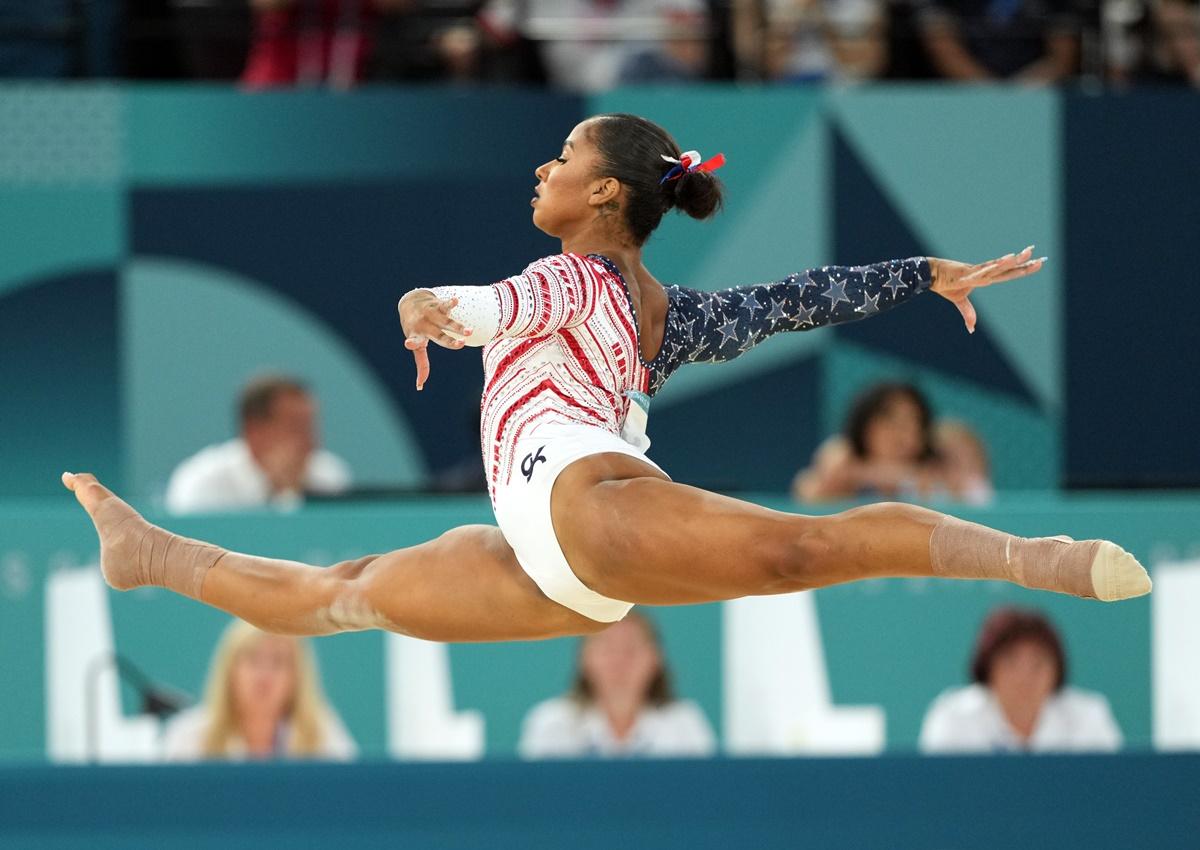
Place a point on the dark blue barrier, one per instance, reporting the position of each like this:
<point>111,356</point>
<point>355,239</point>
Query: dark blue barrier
<point>1003,802</point>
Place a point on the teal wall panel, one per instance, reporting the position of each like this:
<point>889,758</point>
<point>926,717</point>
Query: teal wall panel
<point>51,231</point>
<point>61,400</point>
<point>977,175</point>
<point>199,135</point>
<point>1049,803</point>
<point>421,180</point>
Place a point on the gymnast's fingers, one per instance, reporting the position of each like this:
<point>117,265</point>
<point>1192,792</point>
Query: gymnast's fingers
<point>419,346</point>
<point>968,313</point>
<point>1010,261</point>
<point>445,340</point>
<point>983,271</point>
<point>1024,270</point>
<point>1012,273</point>
<point>447,322</point>
<point>438,328</point>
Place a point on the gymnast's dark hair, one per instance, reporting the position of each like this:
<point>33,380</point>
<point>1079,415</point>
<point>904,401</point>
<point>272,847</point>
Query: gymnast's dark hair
<point>631,150</point>
<point>872,402</point>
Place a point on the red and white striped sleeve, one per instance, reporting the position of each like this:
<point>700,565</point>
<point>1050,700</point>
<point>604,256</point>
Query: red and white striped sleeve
<point>552,294</point>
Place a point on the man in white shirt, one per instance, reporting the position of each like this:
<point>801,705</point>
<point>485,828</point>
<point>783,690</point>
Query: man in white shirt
<point>275,461</point>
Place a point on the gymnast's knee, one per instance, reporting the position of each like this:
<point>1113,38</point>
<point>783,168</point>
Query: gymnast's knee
<point>801,555</point>
<point>346,590</point>
<point>350,571</point>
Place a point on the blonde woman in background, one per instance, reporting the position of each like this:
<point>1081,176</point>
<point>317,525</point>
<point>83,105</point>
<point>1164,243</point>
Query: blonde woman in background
<point>263,701</point>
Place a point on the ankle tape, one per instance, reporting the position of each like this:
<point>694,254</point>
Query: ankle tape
<point>966,550</point>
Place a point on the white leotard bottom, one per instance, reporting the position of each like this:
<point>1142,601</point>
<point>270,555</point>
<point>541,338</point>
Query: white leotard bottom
<point>523,512</point>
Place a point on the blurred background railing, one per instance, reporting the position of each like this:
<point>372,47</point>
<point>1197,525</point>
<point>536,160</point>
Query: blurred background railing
<point>278,42</point>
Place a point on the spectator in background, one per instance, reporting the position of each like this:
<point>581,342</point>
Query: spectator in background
<point>1175,54</point>
<point>962,464</point>
<point>1019,701</point>
<point>1029,41</point>
<point>422,41</point>
<point>41,40</point>
<point>682,55</point>
<point>263,701</point>
<point>810,40</point>
<point>589,45</point>
<point>885,449</point>
<point>311,42</point>
<point>275,461</point>
<point>621,703</point>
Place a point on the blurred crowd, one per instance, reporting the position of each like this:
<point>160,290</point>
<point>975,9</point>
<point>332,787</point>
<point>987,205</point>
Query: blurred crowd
<point>264,701</point>
<point>593,45</point>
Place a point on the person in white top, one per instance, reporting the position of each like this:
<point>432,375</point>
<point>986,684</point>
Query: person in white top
<point>263,701</point>
<point>621,704</point>
<point>1019,701</point>
<point>587,45</point>
<point>275,461</point>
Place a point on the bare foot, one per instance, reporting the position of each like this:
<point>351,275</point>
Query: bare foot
<point>121,529</point>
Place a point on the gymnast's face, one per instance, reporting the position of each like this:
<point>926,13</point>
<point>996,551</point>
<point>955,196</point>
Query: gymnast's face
<point>569,195</point>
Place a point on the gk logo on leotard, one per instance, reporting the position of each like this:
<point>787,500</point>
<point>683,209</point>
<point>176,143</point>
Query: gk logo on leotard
<point>530,461</point>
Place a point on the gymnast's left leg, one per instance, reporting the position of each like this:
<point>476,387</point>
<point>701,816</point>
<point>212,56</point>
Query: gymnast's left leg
<point>652,541</point>
<point>464,586</point>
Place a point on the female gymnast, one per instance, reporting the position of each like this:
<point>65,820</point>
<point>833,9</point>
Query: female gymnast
<point>588,526</point>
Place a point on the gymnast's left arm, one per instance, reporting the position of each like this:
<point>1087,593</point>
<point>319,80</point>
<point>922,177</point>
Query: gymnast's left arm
<point>719,326</point>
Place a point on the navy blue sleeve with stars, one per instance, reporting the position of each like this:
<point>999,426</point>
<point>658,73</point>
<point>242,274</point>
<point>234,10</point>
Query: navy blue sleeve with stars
<point>712,327</point>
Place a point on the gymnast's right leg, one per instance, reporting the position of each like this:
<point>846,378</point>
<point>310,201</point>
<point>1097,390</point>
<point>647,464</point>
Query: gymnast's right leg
<point>464,586</point>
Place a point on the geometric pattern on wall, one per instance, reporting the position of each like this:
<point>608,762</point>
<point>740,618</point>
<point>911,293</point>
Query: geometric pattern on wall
<point>364,201</point>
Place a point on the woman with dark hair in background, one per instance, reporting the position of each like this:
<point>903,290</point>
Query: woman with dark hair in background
<point>890,447</point>
<point>1019,700</point>
<point>622,703</point>
<point>885,449</point>
<point>573,349</point>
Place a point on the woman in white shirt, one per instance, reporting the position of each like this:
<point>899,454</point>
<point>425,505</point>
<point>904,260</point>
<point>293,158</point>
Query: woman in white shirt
<point>621,703</point>
<point>263,701</point>
<point>1019,701</point>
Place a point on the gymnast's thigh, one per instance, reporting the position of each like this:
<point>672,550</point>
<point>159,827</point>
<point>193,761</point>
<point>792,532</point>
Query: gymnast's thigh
<point>651,541</point>
<point>466,585</point>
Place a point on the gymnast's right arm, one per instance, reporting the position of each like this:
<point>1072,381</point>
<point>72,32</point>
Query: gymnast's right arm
<point>551,294</point>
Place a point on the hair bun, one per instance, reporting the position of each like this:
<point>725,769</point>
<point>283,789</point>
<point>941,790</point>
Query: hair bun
<point>697,193</point>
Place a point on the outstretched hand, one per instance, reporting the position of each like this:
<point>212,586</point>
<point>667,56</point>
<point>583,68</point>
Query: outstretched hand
<point>955,281</point>
<point>425,317</point>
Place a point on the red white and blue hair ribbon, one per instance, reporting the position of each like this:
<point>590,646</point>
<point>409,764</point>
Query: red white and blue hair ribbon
<point>688,162</point>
